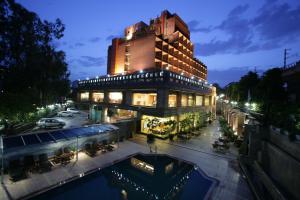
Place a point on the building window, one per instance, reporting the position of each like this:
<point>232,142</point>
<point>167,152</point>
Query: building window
<point>144,99</point>
<point>84,96</point>
<point>199,100</point>
<point>206,101</point>
<point>190,100</point>
<point>115,97</point>
<point>98,96</point>
<point>172,100</point>
<point>184,101</point>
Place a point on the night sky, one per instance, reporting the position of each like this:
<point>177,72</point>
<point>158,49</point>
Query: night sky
<point>230,37</point>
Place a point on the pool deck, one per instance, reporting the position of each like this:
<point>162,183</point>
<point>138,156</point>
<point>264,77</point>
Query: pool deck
<point>223,167</point>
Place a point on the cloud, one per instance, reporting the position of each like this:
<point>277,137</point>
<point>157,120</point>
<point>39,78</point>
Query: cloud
<point>225,76</point>
<point>95,39</point>
<point>57,43</point>
<point>76,45</point>
<point>194,27</point>
<point>88,61</point>
<point>110,37</point>
<point>273,26</point>
<point>79,44</point>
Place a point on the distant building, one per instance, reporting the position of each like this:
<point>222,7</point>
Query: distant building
<point>291,76</point>
<point>151,74</point>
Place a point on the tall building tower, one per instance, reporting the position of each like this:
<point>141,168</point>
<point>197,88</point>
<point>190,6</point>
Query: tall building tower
<point>163,44</point>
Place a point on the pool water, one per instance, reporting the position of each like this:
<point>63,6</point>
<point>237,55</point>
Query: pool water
<point>138,177</point>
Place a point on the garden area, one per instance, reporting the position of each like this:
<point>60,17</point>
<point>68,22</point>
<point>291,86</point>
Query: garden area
<point>222,144</point>
<point>169,128</point>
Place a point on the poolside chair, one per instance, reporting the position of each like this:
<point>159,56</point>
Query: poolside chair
<point>29,163</point>
<point>16,171</point>
<point>44,164</point>
<point>89,150</point>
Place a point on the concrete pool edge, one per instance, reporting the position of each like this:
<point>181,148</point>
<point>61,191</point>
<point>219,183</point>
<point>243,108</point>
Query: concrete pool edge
<point>213,186</point>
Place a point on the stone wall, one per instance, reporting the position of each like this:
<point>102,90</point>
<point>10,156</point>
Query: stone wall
<point>280,158</point>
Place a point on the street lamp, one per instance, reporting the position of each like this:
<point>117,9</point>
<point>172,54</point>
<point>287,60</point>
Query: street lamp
<point>77,148</point>
<point>2,159</point>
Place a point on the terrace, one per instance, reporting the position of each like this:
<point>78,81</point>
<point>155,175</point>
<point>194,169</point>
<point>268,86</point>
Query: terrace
<point>158,79</point>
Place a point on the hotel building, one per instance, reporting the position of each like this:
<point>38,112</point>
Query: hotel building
<point>152,75</point>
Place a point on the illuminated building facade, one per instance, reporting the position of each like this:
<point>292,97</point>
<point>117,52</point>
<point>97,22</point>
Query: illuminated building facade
<point>152,75</point>
<point>164,44</point>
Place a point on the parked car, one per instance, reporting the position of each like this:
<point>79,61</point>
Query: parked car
<point>73,110</point>
<point>64,114</point>
<point>50,123</point>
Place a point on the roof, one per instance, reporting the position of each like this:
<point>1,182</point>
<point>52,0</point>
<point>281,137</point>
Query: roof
<point>55,136</point>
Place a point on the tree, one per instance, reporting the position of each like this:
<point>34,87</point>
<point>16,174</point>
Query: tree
<point>248,84</point>
<point>219,89</point>
<point>232,91</point>
<point>273,96</point>
<point>32,72</point>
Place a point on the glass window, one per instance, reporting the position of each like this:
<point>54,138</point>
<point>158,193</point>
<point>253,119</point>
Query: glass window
<point>98,96</point>
<point>172,100</point>
<point>190,100</point>
<point>115,97</point>
<point>199,100</point>
<point>206,101</point>
<point>144,99</point>
<point>184,100</point>
<point>84,96</point>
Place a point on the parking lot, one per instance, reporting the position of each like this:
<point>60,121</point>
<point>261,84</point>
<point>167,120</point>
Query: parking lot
<point>71,122</point>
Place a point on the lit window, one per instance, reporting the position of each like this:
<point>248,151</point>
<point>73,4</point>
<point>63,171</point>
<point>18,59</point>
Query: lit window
<point>184,100</point>
<point>144,99</point>
<point>115,97</point>
<point>98,96</point>
<point>84,96</point>
<point>190,100</point>
<point>199,100</point>
<point>172,100</point>
<point>206,101</point>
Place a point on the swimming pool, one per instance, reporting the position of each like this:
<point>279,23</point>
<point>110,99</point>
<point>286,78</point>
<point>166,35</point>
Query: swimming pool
<point>140,176</point>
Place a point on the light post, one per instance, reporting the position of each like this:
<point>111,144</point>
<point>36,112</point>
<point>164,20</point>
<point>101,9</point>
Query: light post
<point>2,159</point>
<point>77,148</point>
<point>118,132</point>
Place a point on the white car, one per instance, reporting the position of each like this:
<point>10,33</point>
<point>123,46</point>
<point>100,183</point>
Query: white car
<point>64,114</point>
<point>50,123</point>
<point>73,110</point>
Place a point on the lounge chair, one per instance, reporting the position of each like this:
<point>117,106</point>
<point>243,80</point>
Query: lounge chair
<point>44,164</point>
<point>16,171</point>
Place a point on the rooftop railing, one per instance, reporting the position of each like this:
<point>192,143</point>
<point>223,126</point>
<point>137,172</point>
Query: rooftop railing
<point>164,76</point>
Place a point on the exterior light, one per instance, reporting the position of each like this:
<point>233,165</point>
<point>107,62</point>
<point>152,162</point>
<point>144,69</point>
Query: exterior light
<point>192,77</point>
<point>182,73</point>
<point>167,68</point>
<point>87,78</point>
<point>141,71</point>
<point>247,104</point>
<point>97,76</point>
<point>108,75</point>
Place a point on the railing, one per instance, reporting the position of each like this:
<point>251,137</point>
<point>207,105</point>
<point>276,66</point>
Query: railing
<point>152,76</point>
